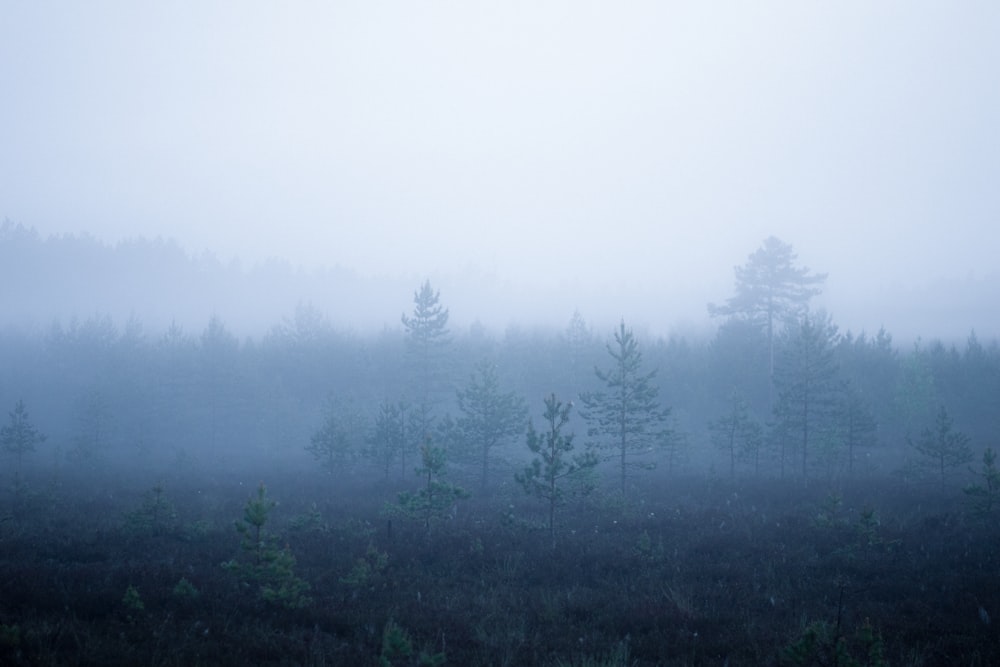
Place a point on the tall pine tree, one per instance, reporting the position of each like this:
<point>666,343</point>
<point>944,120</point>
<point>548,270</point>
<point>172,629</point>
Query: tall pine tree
<point>427,336</point>
<point>770,290</point>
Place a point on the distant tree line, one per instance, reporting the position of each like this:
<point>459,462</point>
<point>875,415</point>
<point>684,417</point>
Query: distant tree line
<point>777,391</point>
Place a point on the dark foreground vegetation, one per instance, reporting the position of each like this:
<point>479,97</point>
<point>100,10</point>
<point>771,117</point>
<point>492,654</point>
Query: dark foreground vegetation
<point>700,572</point>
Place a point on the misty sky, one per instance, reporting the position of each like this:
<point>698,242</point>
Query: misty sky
<point>592,145</point>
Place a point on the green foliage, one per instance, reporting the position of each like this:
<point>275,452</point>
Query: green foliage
<point>626,418</point>
<point>985,496</point>
<point>552,464</point>
<point>10,635</point>
<point>648,550</point>
<point>132,603</point>
<point>829,514</point>
<point>269,566</point>
<point>398,650</point>
<point>196,530</point>
<point>185,590</point>
<point>489,415</point>
<point>616,657</point>
<point>280,586</point>
<point>396,645</point>
<point>367,568</point>
<point>333,444</point>
<point>155,516</point>
<point>868,529</point>
<point>823,644</point>
<point>436,498</point>
<point>941,447</point>
<point>310,521</point>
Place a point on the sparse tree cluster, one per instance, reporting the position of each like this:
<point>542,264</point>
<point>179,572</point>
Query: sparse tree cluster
<point>777,391</point>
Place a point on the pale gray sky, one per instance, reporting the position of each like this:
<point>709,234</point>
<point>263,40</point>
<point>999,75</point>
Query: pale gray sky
<point>597,145</point>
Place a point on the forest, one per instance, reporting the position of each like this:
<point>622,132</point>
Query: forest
<point>780,492</point>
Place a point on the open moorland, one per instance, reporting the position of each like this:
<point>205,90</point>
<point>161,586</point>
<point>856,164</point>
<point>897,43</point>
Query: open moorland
<point>696,572</point>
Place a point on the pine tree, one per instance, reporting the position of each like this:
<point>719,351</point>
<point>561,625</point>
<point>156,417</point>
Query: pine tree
<point>858,428</point>
<point>334,443</point>
<point>437,497</point>
<point>268,565</point>
<point>219,353</point>
<point>738,434</point>
<point>771,289</point>
<point>388,438</point>
<point>552,465</point>
<point>489,415</point>
<point>427,333</point>
<point>807,384</point>
<point>20,436</point>
<point>942,447</point>
<point>985,495</point>
<point>427,336</point>
<point>626,418</point>
<point>92,438</point>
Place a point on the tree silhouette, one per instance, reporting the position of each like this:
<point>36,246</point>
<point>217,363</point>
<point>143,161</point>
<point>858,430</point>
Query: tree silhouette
<point>489,416</point>
<point>19,437</point>
<point>427,335</point>
<point>626,416</point>
<point>738,434</point>
<point>552,464</point>
<point>941,447</point>
<point>769,289</point>
<point>807,383</point>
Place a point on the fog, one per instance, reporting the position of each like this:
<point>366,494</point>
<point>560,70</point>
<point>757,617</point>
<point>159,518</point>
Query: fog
<point>530,158</point>
<point>508,333</point>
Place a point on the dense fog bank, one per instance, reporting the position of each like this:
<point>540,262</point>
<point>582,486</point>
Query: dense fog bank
<point>62,278</point>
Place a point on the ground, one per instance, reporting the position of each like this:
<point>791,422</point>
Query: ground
<point>689,572</point>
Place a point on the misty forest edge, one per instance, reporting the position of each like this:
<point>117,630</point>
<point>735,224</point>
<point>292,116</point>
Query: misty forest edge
<point>419,446</point>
